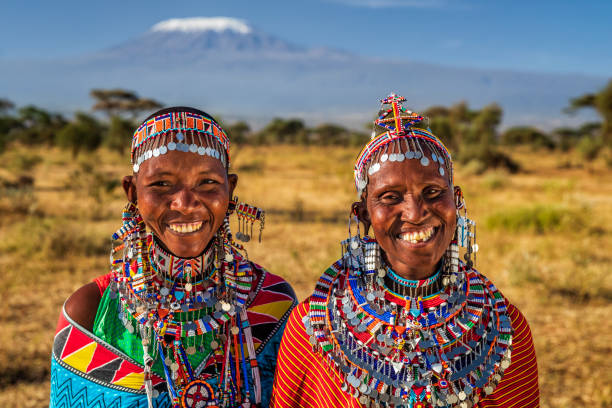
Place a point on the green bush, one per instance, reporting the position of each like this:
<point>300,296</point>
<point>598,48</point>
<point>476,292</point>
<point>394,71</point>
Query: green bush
<point>481,157</point>
<point>119,135</point>
<point>83,133</point>
<point>539,218</point>
<point>589,147</point>
<point>56,238</point>
<point>527,135</point>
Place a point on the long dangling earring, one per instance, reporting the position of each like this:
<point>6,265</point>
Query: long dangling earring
<point>133,235</point>
<point>466,232</point>
<point>247,216</point>
<point>353,245</point>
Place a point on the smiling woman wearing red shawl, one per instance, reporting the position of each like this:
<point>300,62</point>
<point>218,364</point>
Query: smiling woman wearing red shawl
<point>399,320</point>
<point>183,319</point>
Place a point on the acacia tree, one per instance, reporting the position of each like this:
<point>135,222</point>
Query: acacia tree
<point>122,107</point>
<point>602,103</point>
<point>119,102</point>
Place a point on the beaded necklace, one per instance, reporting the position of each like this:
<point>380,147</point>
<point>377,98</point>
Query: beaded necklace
<point>155,286</point>
<point>446,346</point>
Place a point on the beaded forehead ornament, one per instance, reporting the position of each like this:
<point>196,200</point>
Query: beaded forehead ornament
<point>400,141</point>
<point>183,131</point>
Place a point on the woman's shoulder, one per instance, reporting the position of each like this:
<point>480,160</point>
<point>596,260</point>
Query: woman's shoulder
<point>268,285</point>
<point>82,305</point>
<point>296,328</point>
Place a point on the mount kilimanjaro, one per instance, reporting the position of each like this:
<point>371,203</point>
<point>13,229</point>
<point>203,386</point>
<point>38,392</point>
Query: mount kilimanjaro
<point>225,66</point>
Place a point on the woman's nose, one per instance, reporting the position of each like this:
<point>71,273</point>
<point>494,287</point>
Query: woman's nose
<point>413,209</point>
<point>184,200</point>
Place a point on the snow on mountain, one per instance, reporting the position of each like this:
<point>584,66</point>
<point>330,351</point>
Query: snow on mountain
<point>192,38</point>
<point>218,24</point>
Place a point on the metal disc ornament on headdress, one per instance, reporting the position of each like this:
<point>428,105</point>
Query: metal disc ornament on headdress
<point>400,141</point>
<point>182,131</point>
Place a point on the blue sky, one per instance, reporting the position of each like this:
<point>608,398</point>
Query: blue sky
<point>537,35</point>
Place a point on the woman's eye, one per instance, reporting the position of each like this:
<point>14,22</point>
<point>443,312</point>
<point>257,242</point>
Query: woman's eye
<point>432,192</point>
<point>160,183</point>
<point>389,197</point>
<point>208,182</point>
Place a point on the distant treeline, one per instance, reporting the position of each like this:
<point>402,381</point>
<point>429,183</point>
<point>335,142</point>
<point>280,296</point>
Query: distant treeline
<point>472,135</point>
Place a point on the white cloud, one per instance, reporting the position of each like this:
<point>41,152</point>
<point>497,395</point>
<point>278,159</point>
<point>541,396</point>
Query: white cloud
<point>203,24</point>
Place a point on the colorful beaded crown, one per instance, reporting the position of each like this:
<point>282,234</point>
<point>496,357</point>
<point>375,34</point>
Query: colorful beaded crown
<point>397,123</point>
<point>179,130</point>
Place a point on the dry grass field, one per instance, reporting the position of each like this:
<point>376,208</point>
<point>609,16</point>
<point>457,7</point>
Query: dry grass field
<point>545,237</point>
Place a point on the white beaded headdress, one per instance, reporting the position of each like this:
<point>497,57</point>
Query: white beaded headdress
<point>181,129</point>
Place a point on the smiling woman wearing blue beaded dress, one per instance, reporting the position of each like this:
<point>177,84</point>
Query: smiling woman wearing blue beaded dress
<point>183,319</point>
<point>399,321</point>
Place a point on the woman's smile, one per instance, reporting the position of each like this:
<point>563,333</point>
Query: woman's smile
<point>185,228</point>
<point>420,236</point>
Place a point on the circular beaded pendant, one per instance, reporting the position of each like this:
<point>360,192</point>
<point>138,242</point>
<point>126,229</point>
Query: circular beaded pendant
<point>198,394</point>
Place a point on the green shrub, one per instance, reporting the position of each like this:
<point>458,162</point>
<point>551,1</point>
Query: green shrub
<point>83,133</point>
<point>487,157</point>
<point>55,238</point>
<point>539,218</point>
<point>589,147</point>
<point>527,135</point>
<point>20,161</point>
<point>495,181</point>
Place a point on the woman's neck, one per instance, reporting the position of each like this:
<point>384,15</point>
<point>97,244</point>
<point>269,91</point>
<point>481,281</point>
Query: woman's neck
<point>413,287</point>
<point>170,266</point>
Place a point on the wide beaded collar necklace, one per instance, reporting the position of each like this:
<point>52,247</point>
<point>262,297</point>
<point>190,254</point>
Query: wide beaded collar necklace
<point>447,346</point>
<point>212,290</point>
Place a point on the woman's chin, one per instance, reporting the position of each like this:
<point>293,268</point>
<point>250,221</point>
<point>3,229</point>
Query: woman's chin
<point>186,246</point>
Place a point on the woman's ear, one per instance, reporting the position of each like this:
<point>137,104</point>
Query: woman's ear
<point>232,181</point>
<point>459,202</point>
<point>129,187</point>
<point>360,210</point>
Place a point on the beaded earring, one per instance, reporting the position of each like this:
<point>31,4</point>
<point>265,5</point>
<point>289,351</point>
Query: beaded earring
<point>465,235</point>
<point>353,246</point>
<point>247,216</point>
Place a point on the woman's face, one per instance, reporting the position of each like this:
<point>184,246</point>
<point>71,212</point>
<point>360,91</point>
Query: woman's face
<point>412,211</point>
<point>183,199</point>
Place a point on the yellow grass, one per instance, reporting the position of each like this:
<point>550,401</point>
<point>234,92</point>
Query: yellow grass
<point>54,239</point>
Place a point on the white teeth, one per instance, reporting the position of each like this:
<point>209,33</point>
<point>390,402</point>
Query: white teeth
<point>418,236</point>
<point>185,228</point>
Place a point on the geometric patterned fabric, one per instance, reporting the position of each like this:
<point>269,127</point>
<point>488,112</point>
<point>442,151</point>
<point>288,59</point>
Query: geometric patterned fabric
<point>103,368</point>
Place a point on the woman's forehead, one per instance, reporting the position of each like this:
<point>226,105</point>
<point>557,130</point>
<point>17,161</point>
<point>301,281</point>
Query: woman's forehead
<point>177,163</point>
<point>407,173</point>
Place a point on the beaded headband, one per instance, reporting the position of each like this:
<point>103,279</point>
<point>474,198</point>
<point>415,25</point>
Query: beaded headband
<point>398,124</point>
<point>182,131</point>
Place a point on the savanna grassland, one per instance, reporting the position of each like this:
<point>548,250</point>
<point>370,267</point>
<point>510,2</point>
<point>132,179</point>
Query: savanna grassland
<point>545,237</point>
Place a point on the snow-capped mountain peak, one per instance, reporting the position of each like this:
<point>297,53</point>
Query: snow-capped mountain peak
<point>199,24</point>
